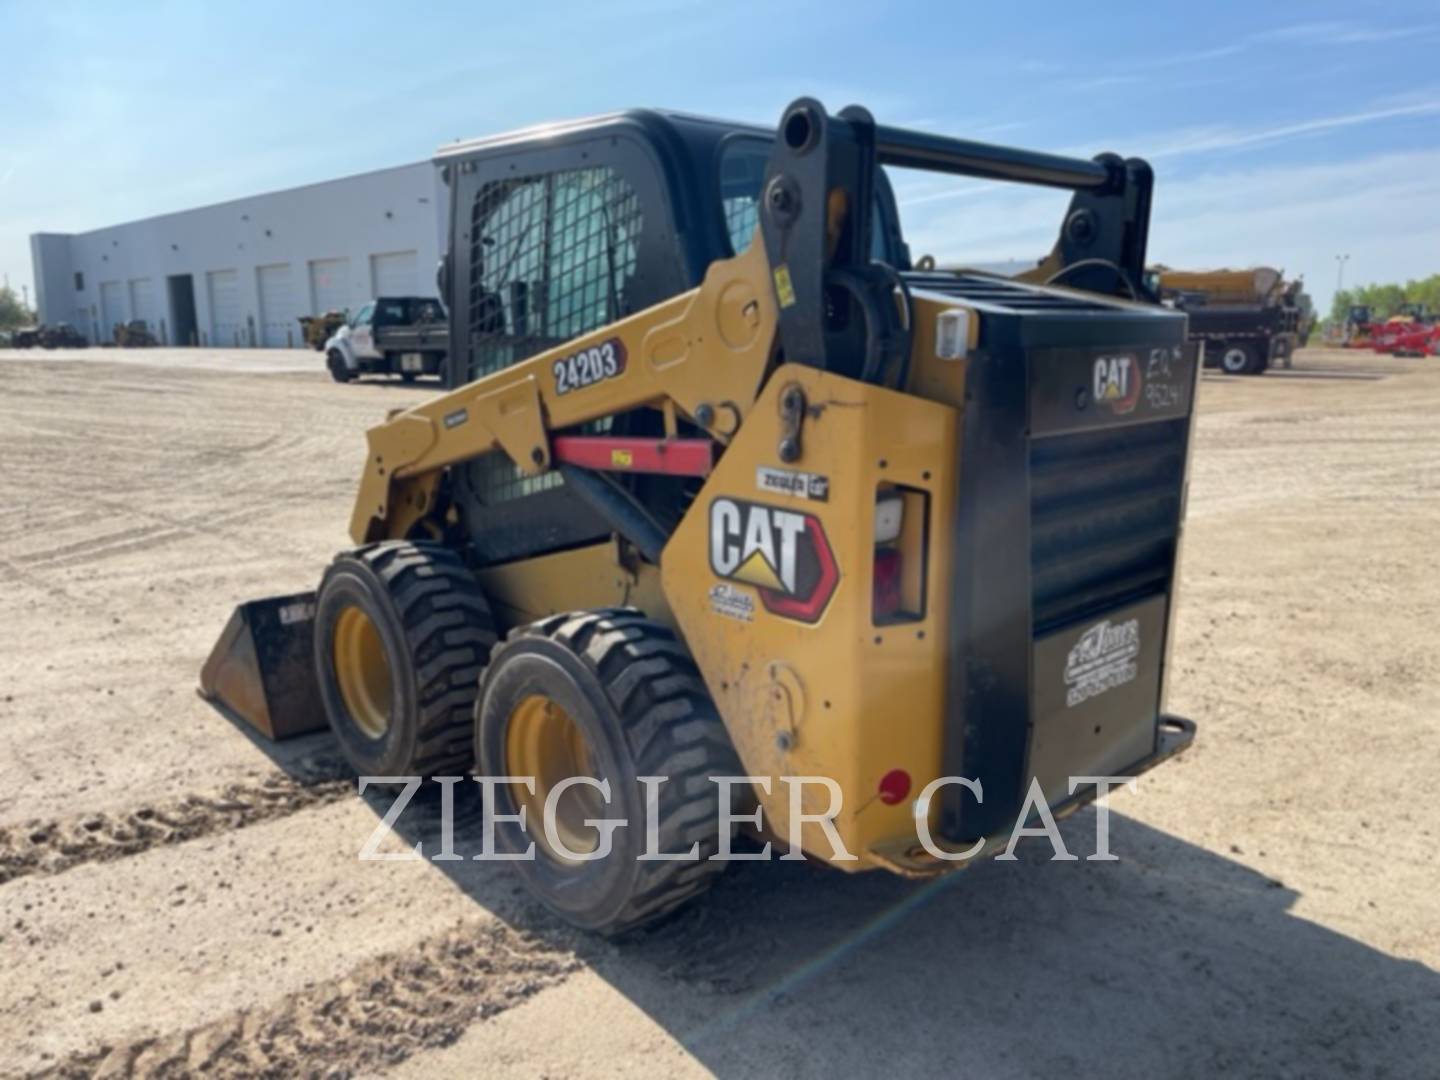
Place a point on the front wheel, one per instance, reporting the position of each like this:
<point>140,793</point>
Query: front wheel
<point>611,696</point>
<point>338,369</point>
<point>401,634</point>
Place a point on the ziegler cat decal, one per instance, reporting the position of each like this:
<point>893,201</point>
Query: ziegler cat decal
<point>589,366</point>
<point>792,482</point>
<point>784,554</point>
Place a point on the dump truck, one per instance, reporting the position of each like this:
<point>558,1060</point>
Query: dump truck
<point>731,517</point>
<point>1246,319</point>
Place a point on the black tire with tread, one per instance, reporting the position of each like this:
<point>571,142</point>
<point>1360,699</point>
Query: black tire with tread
<point>657,718</point>
<point>437,631</point>
<point>1254,364</point>
<point>338,371</point>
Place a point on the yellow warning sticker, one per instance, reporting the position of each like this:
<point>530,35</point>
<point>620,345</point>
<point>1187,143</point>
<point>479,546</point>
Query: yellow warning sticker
<point>783,288</point>
<point>622,459</point>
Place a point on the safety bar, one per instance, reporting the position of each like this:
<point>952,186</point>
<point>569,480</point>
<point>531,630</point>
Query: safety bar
<point>815,253</point>
<point>937,153</point>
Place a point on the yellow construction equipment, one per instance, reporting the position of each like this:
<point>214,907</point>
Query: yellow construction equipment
<point>1247,320</point>
<point>723,488</point>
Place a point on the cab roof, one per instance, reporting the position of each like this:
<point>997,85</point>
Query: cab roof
<point>652,120</point>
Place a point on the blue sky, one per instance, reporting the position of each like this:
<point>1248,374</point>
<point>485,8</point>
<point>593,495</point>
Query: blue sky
<point>1281,133</point>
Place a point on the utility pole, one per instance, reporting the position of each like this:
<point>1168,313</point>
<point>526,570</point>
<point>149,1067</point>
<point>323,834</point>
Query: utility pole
<point>1340,261</point>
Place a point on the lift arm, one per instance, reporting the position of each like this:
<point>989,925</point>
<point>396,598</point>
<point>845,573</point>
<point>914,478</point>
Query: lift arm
<point>705,351</point>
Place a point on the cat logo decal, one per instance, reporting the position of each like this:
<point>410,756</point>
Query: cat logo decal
<point>784,554</point>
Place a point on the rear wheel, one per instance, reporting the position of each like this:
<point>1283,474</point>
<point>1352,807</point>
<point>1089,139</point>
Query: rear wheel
<point>401,633</point>
<point>338,369</point>
<point>1240,358</point>
<point>612,696</point>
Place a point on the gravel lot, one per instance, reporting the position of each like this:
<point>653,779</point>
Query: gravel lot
<point>175,894</point>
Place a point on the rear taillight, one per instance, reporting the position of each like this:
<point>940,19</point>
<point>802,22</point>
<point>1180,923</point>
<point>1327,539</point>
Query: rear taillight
<point>902,516</point>
<point>887,583</point>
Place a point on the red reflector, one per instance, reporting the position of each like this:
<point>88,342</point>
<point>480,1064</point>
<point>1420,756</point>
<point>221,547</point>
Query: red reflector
<point>894,786</point>
<point>887,582</point>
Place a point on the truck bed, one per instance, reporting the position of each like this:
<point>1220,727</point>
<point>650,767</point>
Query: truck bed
<point>418,337</point>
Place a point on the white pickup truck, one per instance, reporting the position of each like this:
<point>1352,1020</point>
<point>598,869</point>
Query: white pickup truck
<point>392,335</point>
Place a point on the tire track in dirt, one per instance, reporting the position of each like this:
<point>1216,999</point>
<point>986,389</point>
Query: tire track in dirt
<point>377,1015</point>
<point>51,847</point>
<point>137,542</point>
<point>98,547</point>
<point>11,574</point>
<point>22,522</point>
<point>160,530</point>
<point>242,508</point>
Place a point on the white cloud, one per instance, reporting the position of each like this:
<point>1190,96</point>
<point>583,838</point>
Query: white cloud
<point>1331,33</point>
<point>1343,33</point>
<point>916,190</point>
<point>1383,210</point>
<point>1204,140</point>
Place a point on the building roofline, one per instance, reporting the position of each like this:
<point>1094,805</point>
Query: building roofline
<point>445,151</point>
<point>242,199</point>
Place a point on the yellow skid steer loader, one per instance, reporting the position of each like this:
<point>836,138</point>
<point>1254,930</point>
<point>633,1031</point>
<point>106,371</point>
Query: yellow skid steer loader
<point>724,487</point>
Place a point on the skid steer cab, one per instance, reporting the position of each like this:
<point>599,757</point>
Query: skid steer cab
<point>723,486</point>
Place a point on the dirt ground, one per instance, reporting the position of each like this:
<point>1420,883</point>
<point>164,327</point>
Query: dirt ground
<point>176,895</point>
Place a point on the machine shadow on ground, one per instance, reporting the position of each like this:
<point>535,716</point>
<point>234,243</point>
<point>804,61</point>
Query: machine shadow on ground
<point>1172,961</point>
<point>307,759</point>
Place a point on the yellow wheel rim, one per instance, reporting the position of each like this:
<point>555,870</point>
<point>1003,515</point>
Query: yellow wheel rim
<point>543,742</point>
<point>363,671</point>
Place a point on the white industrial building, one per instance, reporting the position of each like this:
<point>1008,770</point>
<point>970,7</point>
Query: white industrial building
<point>242,273</point>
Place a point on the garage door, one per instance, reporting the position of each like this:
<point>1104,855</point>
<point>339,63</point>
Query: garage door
<point>393,274</point>
<point>112,308</point>
<point>279,306</point>
<point>330,286</point>
<point>223,287</point>
<point>143,304</point>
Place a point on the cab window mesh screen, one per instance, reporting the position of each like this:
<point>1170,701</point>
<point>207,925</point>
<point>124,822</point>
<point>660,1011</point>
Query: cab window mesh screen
<point>740,219</point>
<point>496,479</point>
<point>551,257</point>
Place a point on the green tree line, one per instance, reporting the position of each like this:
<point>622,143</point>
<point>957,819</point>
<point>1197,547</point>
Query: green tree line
<point>1385,300</point>
<point>12,312</point>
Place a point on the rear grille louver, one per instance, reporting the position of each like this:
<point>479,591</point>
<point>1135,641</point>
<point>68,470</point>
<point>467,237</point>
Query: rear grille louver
<point>1104,518</point>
